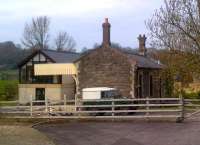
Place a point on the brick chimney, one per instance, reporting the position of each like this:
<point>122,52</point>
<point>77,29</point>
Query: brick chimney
<point>106,33</point>
<point>142,45</point>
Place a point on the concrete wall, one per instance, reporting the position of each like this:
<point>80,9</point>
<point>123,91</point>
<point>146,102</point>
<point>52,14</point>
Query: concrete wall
<point>68,86</point>
<point>52,91</point>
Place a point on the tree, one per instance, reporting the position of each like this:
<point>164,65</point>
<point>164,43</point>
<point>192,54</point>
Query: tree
<point>36,34</point>
<point>65,42</point>
<point>84,49</point>
<point>176,25</point>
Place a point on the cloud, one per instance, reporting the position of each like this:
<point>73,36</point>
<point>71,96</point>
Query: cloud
<point>20,8</point>
<point>81,18</point>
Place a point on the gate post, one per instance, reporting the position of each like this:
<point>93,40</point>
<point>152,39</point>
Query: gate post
<point>147,107</point>
<point>65,103</point>
<point>113,107</point>
<point>181,101</point>
<point>31,105</point>
<point>46,106</point>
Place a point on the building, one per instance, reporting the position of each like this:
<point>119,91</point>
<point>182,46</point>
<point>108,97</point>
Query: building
<point>134,75</point>
<point>52,86</point>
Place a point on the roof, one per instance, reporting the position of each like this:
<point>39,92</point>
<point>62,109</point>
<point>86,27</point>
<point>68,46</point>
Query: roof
<point>54,55</point>
<point>69,57</point>
<point>61,56</point>
<point>133,57</point>
<point>144,61</point>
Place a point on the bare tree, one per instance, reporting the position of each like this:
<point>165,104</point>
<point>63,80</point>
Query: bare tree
<point>65,42</point>
<point>36,34</point>
<point>176,25</point>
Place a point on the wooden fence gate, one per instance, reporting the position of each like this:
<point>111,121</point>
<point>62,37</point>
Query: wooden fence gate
<point>144,108</point>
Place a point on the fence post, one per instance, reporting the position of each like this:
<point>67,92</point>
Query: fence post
<point>65,103</point>
<point>181,101</point>
<point>113,107</point>
<point>147,106</point>
<point>46,105</point>
<point>31,105</point>
<point>75,103</point>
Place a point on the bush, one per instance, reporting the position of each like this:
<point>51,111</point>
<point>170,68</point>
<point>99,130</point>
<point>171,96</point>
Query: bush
<point>192,95</point>
<point>8,90</point>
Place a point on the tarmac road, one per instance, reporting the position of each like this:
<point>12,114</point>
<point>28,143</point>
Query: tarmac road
<point>123,133</point>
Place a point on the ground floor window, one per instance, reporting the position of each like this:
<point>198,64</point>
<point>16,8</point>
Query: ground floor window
<point>140,89</point>
<point>151,85</point>
<point>40,93</point>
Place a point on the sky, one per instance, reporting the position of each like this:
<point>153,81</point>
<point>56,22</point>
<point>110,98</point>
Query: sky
<point>82,19</point>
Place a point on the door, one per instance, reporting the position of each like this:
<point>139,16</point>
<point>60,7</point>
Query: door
<point>40,93</point>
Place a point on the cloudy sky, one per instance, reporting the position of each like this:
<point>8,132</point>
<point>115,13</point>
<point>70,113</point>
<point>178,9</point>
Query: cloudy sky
<point>80,18</point>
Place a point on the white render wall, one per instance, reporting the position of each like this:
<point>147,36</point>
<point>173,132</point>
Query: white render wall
<point>52,91</point>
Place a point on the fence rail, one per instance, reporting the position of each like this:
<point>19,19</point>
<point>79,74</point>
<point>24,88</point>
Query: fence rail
<point>101,108</point>
<point>178,108</point>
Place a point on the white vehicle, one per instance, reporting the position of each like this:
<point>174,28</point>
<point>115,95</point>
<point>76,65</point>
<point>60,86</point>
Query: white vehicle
<point>99,93</point>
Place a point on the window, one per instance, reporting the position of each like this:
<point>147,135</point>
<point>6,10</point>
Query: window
<point>140,88</point>
<point>109,94</point>
<point>160,89</point>
<point>151,85</point>
<point>40,93</point>
<point>27,72</point>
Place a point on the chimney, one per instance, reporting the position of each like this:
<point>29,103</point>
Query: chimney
<point>106,33</point>
<point>142,45</point>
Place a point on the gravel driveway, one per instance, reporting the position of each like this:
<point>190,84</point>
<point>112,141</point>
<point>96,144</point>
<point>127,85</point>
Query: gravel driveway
<point>131,133</point>
<point>22,135</point>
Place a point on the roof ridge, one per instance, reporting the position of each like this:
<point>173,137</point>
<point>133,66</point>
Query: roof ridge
<point>53,50</point>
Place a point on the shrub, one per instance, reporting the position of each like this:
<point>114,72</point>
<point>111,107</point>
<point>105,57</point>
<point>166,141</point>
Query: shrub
<point>8,90</point>
<point>192,95</point>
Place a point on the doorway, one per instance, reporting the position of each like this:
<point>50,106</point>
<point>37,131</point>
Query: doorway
<point>40,94</point>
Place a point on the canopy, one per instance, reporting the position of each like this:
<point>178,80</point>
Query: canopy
<point>55,69</point>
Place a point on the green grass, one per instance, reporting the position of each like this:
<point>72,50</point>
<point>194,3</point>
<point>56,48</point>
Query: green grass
<point>8,90</point>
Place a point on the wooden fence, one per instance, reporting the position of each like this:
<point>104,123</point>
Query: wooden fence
<point>102,108</point>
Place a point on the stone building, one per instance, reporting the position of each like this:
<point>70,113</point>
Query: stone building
<point>134,75</point>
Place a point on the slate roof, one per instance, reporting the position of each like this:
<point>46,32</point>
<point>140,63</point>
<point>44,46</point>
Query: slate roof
<point>61,56</point>
<point>69,57</point>
<point>144,61</point>
<point>54,56</point>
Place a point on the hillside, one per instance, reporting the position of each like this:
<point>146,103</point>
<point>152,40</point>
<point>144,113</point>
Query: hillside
<point>10,55</point>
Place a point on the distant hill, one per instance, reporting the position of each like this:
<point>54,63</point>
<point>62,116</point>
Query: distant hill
<point>10,55</point>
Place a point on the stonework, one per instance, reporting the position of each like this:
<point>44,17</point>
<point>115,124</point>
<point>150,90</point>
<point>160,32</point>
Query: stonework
<point>105,67</point>
<point>109,67</point>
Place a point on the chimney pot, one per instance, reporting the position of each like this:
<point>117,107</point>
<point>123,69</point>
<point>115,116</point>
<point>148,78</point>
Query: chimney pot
<point>106,33</point>
<point>142,44</point>
<point>106,20</point>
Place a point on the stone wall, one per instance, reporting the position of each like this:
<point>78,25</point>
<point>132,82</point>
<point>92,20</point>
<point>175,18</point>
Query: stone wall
<point>105,67</point>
